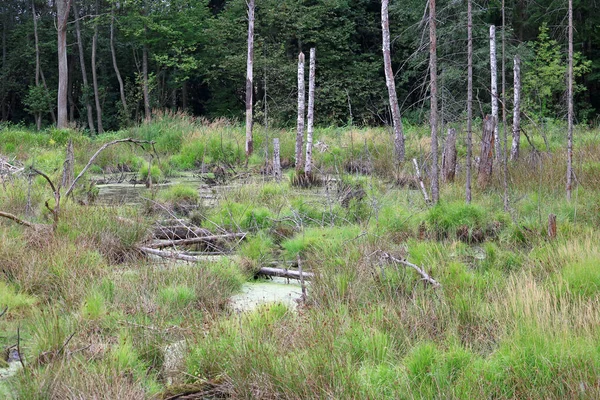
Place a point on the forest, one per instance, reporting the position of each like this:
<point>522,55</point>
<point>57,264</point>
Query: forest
<point>321,199</point>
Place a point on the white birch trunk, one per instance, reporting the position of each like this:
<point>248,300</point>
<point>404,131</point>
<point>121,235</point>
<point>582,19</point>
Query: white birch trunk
<point>276,160</point>
<point>300,122</point>
<point>310,112</point>
<point>516,139</point>
<point>494,87</point>
<point>391,85</point>
<point>435,196</point>
<point>570,107</point>
<point>249,78</point>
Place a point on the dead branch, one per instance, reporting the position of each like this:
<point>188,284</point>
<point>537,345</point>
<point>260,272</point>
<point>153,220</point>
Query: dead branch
<point>103,147</point>
<point>424,275</point>
<point>423,190</point>
<point>16,219</point>
<point>160,244</point>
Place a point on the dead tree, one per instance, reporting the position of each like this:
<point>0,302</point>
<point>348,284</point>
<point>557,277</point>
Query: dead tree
<point>433,119</point>
<point>516,134</point>
<point>62,16</point>
<point>249,84</point>
<point>570,107</point>
<point>114,62</point>
<point>300,122</point>
<point>391,85</point>
<point>504,123</point>
<point>486,157</point>
<point>68,166</point>
<point>95,74</point>
<point>469,100</point>
<point>310,113</point>
<point>88,105</point>
<point>494,87</point>
<point>276,160</point>
<point>449,156</point>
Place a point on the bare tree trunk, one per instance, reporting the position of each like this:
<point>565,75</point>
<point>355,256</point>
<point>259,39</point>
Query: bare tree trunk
<point>494,87</point>
<point>114,62</point>
<point>504,123</point>
<point>249,84</point>
<point>94,74</point>
<point>62,14</point>
<point>449,156</point>
<point>486,157</point>
<point>435,195</point>
<point>300,122</point>
<point>88,105</point>
<point>276,160</point>
<point>70,90</point>
<point>570,106</point>
<point>391,84</point>
<point>146,90</point>
<point>469,99</point>
<point>516,139</point>
<point>38,116</point>
<point>68,166</point>
<point>310,113</point>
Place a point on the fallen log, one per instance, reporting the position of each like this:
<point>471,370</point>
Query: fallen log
<point>174,232</point>
<point>269,271</point>
<point>161,244</point>
<point>424,275</point>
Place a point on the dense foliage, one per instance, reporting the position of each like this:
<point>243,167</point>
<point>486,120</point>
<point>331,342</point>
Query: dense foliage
<point>197,56</point>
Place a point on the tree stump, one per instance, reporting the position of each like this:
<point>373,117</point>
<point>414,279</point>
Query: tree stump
<point>551,226</point>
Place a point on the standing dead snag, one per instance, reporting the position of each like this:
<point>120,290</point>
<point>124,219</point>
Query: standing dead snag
<point>494,74</point>
<point>449,156</point>
<point>433,117</point>
<point>300,122</point>
<point>391,84</point>
<point>311,113</point>
<point>276,160</point>
<point>249,85</point>
<point>469,100</point>
<point>570,106</point>
<point>516,139</point>
<point>486,158</point>
<point>62,16</point>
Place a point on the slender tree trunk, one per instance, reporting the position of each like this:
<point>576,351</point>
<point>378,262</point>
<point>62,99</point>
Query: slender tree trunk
<point>276,160</point>
<point>249,83</point>
<point>486,157</point>
<point>504,122</point>
<point>114,62</point>
<point>570,107</point>
<point>391,84</point>
<point>494,86</point>
<point>516,138</point>
<point>145,89</point>
<point>38,116</point>
<point>300,122</point>
<point>3,109</point>
<point>95,75</point>
<point>62,14</point>
<point>449,156</point>
<point>70,91</point>
<point>435,195</point>
<point>469,99</point>
<point>88,105</point>
<point>310,112</point>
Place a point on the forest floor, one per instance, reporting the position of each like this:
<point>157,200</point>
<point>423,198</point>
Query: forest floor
<point>516,313</point>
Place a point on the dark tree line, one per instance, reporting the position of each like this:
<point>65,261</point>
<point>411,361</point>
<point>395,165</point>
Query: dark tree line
<point>126,58</point>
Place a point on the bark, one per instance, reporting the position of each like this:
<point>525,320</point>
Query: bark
<point>88,105</point>
<point>94,75</point>
<point>486,158</point>
<point>114,62</point>
<point>249,77</point>
<point>38,117</point>
<point>434,102</point>
<point>62,14</point>
<point>70,90</point>
<point>449,156</point>
<point>494,87</point>
<point>276,160</point>
<point>391,85</point>
<point>570,107</point>
<point>551,226</point>
<point>16,219</point>
<point>310,113</point>
<point>160,244</point>
<point>469,100</point>
<point>300,123</point>
<point>421,184</point>
<point>504,138</point>
<point>68,166</point>
<point>516,134</point>
<point>145,89</point>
